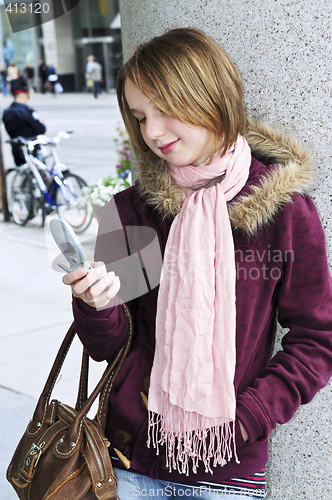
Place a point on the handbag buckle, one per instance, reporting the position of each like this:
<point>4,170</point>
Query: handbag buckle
<point>37,449</point>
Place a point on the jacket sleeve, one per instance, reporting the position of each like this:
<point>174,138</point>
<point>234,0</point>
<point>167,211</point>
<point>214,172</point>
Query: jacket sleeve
<point>295,374</point>
<point>36,125</point>
<point>104,332</point>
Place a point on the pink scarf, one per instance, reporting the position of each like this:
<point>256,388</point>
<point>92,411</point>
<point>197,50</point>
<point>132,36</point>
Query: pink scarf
<point>191,396</point>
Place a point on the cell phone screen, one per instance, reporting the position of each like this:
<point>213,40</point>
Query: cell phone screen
<point>67,248</point>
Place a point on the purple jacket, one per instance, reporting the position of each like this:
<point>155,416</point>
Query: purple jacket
<point>282,273</point>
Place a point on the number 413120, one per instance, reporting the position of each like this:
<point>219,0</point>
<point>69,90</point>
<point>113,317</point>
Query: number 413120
<point>33,8</point>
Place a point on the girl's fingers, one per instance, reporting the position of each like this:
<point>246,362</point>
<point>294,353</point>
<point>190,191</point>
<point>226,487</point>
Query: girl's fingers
<point>96,288</point>
<point>111,290</point>
<point>89,279</point>
<point>77,275</point>
<point>74,276</point>
<point>100,266</point>
<point>99,285</point>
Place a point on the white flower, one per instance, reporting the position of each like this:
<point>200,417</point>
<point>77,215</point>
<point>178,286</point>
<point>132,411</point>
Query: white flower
<point>99,194</point>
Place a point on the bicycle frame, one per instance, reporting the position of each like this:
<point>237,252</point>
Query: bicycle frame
<point>33,163</point>
<point>56,170</point>
<point>57,180</point>
<point>61,192</point>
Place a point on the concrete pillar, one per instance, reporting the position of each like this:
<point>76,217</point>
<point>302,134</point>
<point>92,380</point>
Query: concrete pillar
<point>59,49</point>
<point>283,50</point>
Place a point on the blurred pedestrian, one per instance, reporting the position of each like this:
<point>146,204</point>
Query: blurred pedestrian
<point>52,78</point>
<point>29,74</point>
<point>89,63</point>
<point>8,50</point>
<point>20,119</point>
<point>4,83</point>
<point>12,73</point>
<point>88,78</point>
<point>42,76</point>
<point>96,75</point>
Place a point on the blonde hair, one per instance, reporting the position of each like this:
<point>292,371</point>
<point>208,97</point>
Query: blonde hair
<point>189,77</point>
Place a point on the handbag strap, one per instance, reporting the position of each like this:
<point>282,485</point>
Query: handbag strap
<point>107,379</point>
<point>40,412</point>
<point>82,396</point>
<point>103,408</point>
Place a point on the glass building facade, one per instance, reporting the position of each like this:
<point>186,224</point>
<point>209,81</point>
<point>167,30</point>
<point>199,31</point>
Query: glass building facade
<point>94,30</point>
<point>20,47</point>
<point>97,32</point>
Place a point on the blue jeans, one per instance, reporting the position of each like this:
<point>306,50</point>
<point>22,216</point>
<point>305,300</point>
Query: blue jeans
<point>132,485</point>
<point>97,89</point>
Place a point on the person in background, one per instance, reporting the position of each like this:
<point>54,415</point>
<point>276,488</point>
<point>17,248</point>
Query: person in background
<point>89,63</point>
<point>12,73</point>
<point>52,78</point>
<point>29,74</point>
<point>20,119</point>
<point>88,78</point>
<point>4,83</point>
<point>42,76</point>
<point>8,50</point>
<point>96,75</point>
<point>51,69</point>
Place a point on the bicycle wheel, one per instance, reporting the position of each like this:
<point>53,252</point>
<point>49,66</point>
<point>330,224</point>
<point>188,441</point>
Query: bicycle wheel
<point>71,204</point>
<point>21,203</point>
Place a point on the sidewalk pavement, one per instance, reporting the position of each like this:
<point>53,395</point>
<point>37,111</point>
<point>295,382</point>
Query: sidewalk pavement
<point>35,305</point>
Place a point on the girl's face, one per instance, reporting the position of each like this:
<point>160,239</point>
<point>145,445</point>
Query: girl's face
<point>168,138</point>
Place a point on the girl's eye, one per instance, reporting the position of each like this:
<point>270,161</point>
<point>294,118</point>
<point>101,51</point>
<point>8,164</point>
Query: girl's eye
<point>142,120</point>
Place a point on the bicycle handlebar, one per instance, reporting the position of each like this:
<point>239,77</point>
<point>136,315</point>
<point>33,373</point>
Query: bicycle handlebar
<point>20,141</point>
<point>41,140</point>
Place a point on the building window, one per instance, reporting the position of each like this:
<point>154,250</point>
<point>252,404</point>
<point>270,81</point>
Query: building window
<point>93,18</point>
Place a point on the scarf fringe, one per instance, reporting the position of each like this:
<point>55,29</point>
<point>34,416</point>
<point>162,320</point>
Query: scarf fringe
<point>215,443</point>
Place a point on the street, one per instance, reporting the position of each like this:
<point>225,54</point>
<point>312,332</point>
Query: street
<point>35,305</point>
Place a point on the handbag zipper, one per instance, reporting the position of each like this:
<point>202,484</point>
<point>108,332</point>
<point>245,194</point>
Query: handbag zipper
<point>96,455</point>
<point>90,440</point>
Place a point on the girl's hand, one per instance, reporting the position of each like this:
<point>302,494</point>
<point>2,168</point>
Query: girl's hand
<point>243,431</point>
<point>96,288</point>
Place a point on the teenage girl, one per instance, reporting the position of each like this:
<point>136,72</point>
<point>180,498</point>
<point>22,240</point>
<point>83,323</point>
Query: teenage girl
<point>221,203</point>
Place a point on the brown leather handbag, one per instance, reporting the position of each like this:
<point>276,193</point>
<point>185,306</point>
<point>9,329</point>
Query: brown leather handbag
<point>63,454</point>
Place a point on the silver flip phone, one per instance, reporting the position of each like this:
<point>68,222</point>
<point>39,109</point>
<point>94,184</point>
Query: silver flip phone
<point>69,245</point>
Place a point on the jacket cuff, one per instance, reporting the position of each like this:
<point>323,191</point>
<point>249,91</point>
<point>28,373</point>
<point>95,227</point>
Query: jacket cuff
<point>92,312</point>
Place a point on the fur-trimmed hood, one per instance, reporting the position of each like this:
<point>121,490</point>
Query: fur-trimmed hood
<point>293,174</point>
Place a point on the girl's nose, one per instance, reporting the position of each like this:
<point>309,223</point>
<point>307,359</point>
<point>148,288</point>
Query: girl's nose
<point>154,128</point>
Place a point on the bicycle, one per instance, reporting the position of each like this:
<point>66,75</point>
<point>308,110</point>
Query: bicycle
<point>37,185</point>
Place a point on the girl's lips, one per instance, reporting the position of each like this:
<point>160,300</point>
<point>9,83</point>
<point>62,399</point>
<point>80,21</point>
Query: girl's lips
<point>168,148</point>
